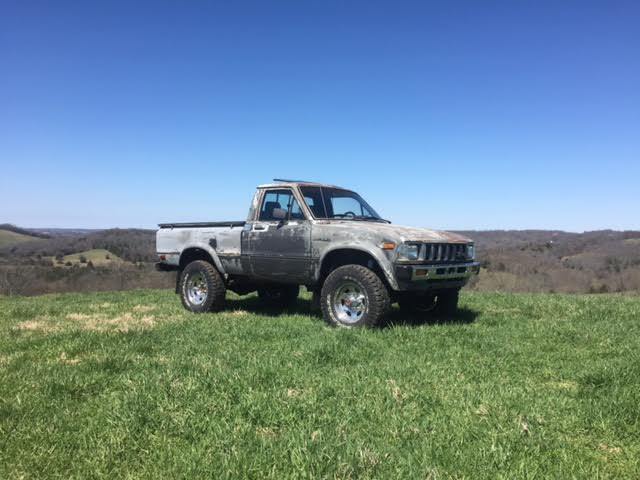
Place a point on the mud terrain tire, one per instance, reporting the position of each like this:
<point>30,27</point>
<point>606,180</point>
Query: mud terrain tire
<point>354,296</point>
<point>202,288</point>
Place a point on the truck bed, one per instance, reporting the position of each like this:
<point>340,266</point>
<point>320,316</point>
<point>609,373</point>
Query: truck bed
<point>222,237</point>
<point>231,223</point>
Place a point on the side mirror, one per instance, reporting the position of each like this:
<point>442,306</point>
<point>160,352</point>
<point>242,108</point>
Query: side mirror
<point>279,214</point>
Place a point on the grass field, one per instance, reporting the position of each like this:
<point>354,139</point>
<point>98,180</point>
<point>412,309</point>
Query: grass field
<point>129,385</point>
<point>8,238</point>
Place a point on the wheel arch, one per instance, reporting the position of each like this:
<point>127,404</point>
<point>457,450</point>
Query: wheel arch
<point>200,252</point>
<point>345,255</point>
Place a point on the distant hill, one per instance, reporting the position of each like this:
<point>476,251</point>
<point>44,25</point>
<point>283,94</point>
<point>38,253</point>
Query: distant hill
<point>555,261</point>
<point>132,245</point>
<point>11,235</point>
<point>99,257</point>
<point>64,232</point>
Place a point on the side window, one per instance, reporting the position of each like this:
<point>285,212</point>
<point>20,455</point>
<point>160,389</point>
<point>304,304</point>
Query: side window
<point>282,199</point>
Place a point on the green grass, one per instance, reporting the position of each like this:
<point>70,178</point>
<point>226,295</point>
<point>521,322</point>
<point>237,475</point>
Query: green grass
<point>8,238</point>
<point>129,385</point>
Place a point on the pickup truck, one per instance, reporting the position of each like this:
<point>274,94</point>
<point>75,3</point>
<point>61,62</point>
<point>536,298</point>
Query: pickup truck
<point>326,238</point>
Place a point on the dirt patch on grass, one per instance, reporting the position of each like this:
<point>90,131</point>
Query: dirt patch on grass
<point>294,392</point>
<point>266,432</point>
<point>94,322</point>
<point>101,306</point>
<point>566,385</point>
<point>609,449</point>
<point>68,361</point>
<point>84,317</point>
<point>121,323</point>
<point>397,394</point>
<point>144,308</point>
<point>38,324</point>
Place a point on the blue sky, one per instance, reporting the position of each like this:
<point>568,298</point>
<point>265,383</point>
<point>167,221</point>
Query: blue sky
<point>453,115</point>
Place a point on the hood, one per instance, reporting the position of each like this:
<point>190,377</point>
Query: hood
<point>400,233</point>
<point>408,234</point>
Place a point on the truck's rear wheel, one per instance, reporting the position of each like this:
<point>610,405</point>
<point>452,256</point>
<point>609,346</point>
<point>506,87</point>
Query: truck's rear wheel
<point>202,288</point>
<point>279,296</point>
<point>354,296</point>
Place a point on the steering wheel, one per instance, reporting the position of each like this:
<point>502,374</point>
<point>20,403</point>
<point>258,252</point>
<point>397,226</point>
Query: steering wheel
<point>349,214</point>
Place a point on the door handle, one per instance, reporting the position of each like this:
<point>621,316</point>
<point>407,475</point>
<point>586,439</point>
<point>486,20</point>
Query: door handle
<point>259,227</point>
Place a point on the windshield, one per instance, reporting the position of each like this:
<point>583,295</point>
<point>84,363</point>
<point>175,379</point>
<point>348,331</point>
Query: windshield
<point>327,202</point>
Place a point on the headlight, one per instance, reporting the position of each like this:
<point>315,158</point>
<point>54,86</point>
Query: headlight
<point>408,252</point>
<point>471,252</point>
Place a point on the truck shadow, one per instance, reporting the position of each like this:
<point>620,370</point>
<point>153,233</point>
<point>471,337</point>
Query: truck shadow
<point>394,318</point>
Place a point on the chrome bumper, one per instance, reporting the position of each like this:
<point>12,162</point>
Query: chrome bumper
<point>444,272</point>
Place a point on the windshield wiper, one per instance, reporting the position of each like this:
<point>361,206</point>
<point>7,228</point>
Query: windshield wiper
<point>371,219</point>
<point>359,218</point>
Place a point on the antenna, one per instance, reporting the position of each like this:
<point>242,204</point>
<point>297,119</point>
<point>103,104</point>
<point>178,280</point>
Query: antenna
<point>284,180</point>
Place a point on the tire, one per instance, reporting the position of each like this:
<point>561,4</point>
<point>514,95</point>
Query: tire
<point>202,288</point>
<point>367,297</point>
<point>417,303</point>
<point>280,296</point>
<point>447,302</point>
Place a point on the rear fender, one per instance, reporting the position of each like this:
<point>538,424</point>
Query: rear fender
<point>191,248</point>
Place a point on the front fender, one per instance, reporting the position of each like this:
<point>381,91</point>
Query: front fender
<point>377,253</point>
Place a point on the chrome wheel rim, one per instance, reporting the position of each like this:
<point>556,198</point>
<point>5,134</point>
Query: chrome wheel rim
<point>349,303</point>
<point>197,289</point>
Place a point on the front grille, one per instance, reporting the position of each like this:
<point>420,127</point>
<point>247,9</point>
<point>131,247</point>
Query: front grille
<point>443,252</point>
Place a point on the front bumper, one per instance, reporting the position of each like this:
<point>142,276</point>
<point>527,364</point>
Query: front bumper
<point>424,277</point>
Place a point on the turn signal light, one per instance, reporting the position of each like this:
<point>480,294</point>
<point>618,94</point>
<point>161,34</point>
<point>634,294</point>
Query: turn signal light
<point>388,246</point>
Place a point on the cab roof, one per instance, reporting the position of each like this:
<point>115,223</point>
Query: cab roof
<point>297,183</point>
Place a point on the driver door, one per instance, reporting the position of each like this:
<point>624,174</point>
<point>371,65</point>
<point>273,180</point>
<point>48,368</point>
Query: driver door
<point>279,249</point>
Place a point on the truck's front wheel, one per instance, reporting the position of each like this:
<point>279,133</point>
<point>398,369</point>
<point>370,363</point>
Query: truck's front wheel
<point>202,288</point>
<point>354,296</point>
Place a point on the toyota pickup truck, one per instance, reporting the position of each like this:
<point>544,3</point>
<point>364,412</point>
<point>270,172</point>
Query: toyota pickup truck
<point>325,238</point>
